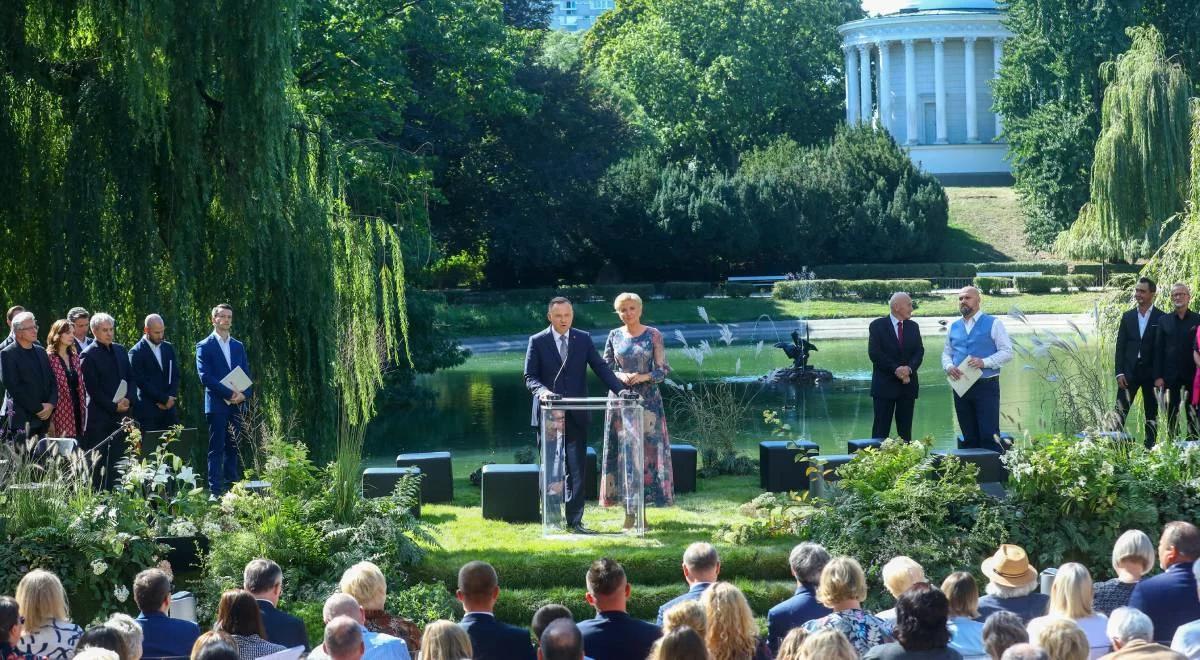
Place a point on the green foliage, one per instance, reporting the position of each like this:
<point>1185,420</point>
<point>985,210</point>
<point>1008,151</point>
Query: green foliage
<point>686,290</point>
<point>739,289</point>
<point>1081,280</point>
<point>424,603</point>
<point>893,271</point>
<point>1043,267</point>
<point>1039,283</point>
<point>835,289</point>
<point>992,286</point>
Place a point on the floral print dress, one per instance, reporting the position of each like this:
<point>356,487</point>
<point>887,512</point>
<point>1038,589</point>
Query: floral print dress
<point>643,354</point>
<point>863,629</point>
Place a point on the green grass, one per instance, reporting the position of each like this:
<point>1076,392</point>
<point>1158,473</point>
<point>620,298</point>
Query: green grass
<point>986,224</point>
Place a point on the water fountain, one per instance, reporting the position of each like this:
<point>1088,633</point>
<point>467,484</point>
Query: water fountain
<point>801,372</point>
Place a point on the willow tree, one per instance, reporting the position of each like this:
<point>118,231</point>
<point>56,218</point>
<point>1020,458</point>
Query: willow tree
<point>1140,170</point>
<point>1178,260</point>
<point>156,160</point>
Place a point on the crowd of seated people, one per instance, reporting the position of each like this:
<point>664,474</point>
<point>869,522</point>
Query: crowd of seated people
<point>1128,616</point>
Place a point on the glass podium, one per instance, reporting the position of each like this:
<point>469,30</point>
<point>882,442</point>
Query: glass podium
<point>626,469</point>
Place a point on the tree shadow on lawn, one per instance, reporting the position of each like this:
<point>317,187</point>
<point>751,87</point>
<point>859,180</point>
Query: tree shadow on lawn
<point>960,246</point>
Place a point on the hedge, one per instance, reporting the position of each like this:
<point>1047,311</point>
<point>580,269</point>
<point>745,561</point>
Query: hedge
<point>992,285</point>
<point>1109,269</point>
<point>685,290</point>
<point>1081,280</point>
<point>864,289</point>
<point>1043,267</point>
<point>1040,283</point>
<point>740,289</point>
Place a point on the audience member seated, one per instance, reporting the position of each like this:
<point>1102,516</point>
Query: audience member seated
<point>547,614</point>
<point>921,616</point>
<point>344,639</point>
<point>478,591</point>
<point>103,637</point>
<point>966,632</point>
<point>686,614</point>
<point>701,567</point>
<point>1170,598</point>
<point>732,633</point>
<point>130,632</point>
<point>377,646</point>
<point>365,582</point>
<point>10,631</point>
<point>789,648</point>
<point>1024,651</point>
<point>1061,639</point>
<point>264,580</point>
<point>1132,635</point>
<point>1012,584</point>
<point>560,641</point>
<point>680,644</point>
<point>1186,639</point>
<point>162,636</point>
<point>1132,558</point>
<point>238,615</point>
<point>613,634</point>
<point>48,630</point>
<point>1071,598</point>
<point>214,645</point>
<point>899,575</point>
<point>445,640</point>
<point>827,645</point>
<point>1001,631</point>
<point>97,653</point>
<point>806,562</point>
<point>842,589</point>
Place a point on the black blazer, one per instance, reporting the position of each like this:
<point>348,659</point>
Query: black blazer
<point>617,636</point>
<point>883,347</point>
<point>545,371</point>
<point>1173,348</point>
<point>494,640</point>
<point>155,384</point>
<point>1135,355</point>
<point>282,628</point>
<point>102,371</point>
<point>29,383</point>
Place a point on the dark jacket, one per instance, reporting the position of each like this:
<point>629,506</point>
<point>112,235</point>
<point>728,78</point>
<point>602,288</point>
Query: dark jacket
<point>29,383</point>
<point>1173,349</point>
<point>155,384</point>
<point>545,371</point>
<point>617,636</point>
<point>794,612</point>
<point>212,369</point>
<point>494,640</point>
<point>103,370</point>
<point>694,593</point>
<point>1135,355</point>
<point>1027,607</point>
<point>282,628</point>
<point>1169,599</point>
<point>164,637</point>
<point>883,347</point>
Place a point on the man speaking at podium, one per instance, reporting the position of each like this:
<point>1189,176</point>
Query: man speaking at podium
<point>555,364</point>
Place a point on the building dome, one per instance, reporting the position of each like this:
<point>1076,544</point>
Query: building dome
<point>931,5</point>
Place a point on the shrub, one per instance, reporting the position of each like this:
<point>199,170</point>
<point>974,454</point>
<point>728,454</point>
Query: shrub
<point>883,289</point>
<point>1108,269</point>
<point>894,271</point>
<point>992,285</point>
<point>740,289</point>
<point>1040,283</point>
<point>834,289</point>
<point>1043,267</point>
<point>577,293</point>
<point>609,292</point>
<point>1123,281</point>
<point>686,290</point>
<point>1081,280</point>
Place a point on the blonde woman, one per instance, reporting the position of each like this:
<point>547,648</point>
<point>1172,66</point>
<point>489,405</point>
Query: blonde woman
<point>1071,599</point>
<point>827,645</point>
<point>365,582</point>
<point>689,613</point>
<point>1061,639</point>
<point>842,589</point>
<point>444,640</point>
<point>898,575</point>
<point>732,633</point>
<point>966,632</point>
<point>680,644</point>
<point>48,629</point>
<point>1133,556</point>
<point>638,357</point>
<point>791,646</point>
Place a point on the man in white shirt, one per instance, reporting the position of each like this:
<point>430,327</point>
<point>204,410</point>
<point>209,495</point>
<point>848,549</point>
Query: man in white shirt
<point>980,340</point>
<point>1134,361</point>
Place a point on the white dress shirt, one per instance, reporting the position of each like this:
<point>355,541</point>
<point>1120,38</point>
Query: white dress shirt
<point>1143,321</point>
<point>156,349</point>
<point>1004,350</point>
<point>224,344</point>
<point>558,343</point>
<point>895,326</point>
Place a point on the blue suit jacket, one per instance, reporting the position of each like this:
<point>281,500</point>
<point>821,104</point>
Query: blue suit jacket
<point>1027,607</point>
<point>164,637</point>
<point>155,384</point>
<point>211,366</point>
<point>617,636</point>
<point>545,371</point>
<point>494,640</point>
<point>792,613</point>
<point>693,593</point>
<point>282,628</point>
<point>1169,599</point>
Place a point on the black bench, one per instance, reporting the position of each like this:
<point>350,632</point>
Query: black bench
<point>510,492</point>
<point>783,466</point>
<point>988,462</point>
<point>825,471</point>
<point>437,484</point>
<point>683,468</point>
<point>381,482</point>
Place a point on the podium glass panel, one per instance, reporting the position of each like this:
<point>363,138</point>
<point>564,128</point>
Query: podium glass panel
<point>627,433</point>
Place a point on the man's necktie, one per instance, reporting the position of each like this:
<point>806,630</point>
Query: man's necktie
<point>900,333</point>
<point>562,348</point>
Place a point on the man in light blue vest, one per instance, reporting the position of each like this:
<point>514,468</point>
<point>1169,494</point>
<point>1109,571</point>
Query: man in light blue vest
<point>982,340</point>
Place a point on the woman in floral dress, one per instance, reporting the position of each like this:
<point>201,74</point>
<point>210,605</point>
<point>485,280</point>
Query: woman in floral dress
<point>638,357</point>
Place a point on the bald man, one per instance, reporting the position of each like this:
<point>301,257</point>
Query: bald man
<point>156,376</point>
<point>895,348</point>
<point>982,341</point>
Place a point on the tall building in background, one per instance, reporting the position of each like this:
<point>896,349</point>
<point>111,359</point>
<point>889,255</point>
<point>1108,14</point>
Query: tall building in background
<point>577,15</point>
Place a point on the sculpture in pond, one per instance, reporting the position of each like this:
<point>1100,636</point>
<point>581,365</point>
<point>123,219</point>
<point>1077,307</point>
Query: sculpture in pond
<point>800,372</point>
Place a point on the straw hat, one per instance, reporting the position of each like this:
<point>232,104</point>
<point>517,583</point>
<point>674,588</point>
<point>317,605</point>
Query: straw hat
<point>1009,567</point>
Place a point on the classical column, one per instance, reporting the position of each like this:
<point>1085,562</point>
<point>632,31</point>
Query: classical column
<point>910,92</point>
<point>939,86</point>
<point>851,85</point>
<point>997,51</point>
<point>969,78</point>
<point>865,102</point>
<point>885,85</point>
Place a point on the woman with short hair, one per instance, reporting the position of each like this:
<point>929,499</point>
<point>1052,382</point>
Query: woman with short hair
<point>842,588</point>
<point>827,645</point>
<point>445,640</point>
<point>48,630</point>
<point>920,630</point>
<point>966,633</point>
<point>1071,599</point>
<point>10,631</point>
<point>365,582</point>
<point>682,643</point>
<point>732,633</point>
<point>899,575</point>
<point>1061,639</point>
<point>238,615</point>
<point>1133,556</point>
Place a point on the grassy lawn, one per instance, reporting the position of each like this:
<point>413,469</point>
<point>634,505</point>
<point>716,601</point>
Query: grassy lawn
<point>479,320</point>
<point>986,224</point>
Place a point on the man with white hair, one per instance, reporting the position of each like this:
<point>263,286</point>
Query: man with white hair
<point>156,375</point>
<point>895,348</point>
<point>376,646</point>
<point>1132,636</point>
<point>1174,366</point>
<point>981,341</point>
<point>28,381</point>
<point>109,382</point>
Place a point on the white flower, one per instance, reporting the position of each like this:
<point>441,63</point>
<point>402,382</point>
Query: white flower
<point>210,528</point>
<point>121,593</point>
<point>98,567</point>
<point>228,500</point>
<point>163,475</point>
<point>182,528</point>
<point>187,476</point>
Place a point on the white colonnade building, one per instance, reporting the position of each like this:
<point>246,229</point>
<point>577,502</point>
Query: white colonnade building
<point>924,73</point>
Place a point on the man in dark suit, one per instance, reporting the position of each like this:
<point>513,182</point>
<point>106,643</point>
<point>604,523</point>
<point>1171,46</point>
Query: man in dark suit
<point>556,363</point>
<point>12,333</point>
<point>1174,367</point>
<point>216,357</point>
<point>478,591</point>
<point>162,636</point>
<point>1170,598</point>
<point>105,367</point>
<point>806,561</point>
<point>28,381</point>
<point>613,634</point>
<point>156,375</point>
<point>264,580</point>
<point>1135,356</point>
<point>895,348</point>
<point>80,320</point>
<point>701,568</point>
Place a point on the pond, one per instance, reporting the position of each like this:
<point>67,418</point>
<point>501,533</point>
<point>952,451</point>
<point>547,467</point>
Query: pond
<point>480,410</point>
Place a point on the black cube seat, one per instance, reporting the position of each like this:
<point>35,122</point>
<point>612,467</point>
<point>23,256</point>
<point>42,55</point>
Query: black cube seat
<point>510,493</point>
<point>783,464</point>
<point>381,482</point>
<point>824,471</point>
<point>437,485</point>
<point>591,475</point>
<point>1006,440</point>
<point>988,462</point>
<point>854,445</point>
<point>683,468</point>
